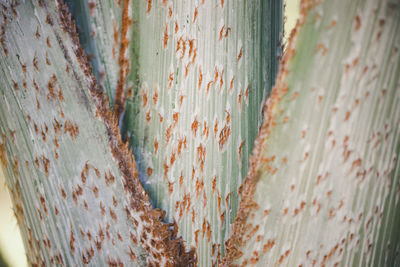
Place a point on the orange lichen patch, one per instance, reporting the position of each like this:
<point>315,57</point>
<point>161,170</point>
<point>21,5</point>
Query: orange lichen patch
<point>170,12</point>
<point>224,136</point>
<point>123,61</point>
<point>149,171</point>
<point>267,246</point>
<point>148,116</point>
<point>195,126</point>
<point>144,97</point>
<point>155,96</point>
<point>162,244</point>
<point>206,129</point>
<point>46,164</point>
<point>176,27</point>
<point>321,47</point>
<point>51,87</point>
<point>246,93</point>
<point>72,240</point>
<point>347,116</point>
<point>131,254</point>
<point>283,256</point>
<point>200,79</point>
<point>332,24</point>
<point>214,184</point>
<point>356,163</point>
<point>239,100</point>
<point>221,32</point>
<point>240,54</point>
<point>240,151</point>
<point>170,80</point>
<point>166,36</point>
<point>209,86</point>
<point>168,133</point>
<point>195,13</point>
<point>71,128</point>
<point>149,4</point>
<point>155,146</point>
<point>170,187</point>
<point>113,215</point>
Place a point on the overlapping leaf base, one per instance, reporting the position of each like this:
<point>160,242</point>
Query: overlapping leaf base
<point>324,183</point>
<point>204,70</point>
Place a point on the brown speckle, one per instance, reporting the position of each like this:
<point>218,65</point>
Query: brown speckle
<point>149,3</point>
<point>48,42</point>
<point>357,23</point>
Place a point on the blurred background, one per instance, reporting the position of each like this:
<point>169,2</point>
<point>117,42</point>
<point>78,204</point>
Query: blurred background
<point>12,252</point>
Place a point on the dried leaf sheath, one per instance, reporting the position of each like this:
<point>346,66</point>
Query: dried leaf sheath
<point>324,181</point>
<point>67,199</point>
<point>104,32</point>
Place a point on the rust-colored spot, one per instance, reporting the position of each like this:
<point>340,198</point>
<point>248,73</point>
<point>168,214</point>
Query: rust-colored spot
<point>221,32</point>
<point>321,47</point>
<point>224,136</point>
<point>149,171</point>
<point>176,27</point>
<point>166,167</point>
<point>48,42</point>
<point>240,54</point>
<point>170,187</point>
<point>132,255</point>
<point>195,125</point>
<point>283,256</point>
<point>170,80</point>
<point>285,211</point>
<point>46,164</point>
<point>149,4</point>
<point>95,191</point>
<point>47,59</point>
<point>200,79</point>
<point>347,116</point>
<point>357,23</point>
<point>155,146</point>
<point>102,209</point>
<point>71,128</point>
<point>165,38</point>
<point>155,96</point>
<point>113,215</point>
<point>181,180</point>
<point>196,12</point>
<point>148,116</point>
<point>37,34</point>
<point>267,246</point>
<point>144,97</point>
<point>72,240</point>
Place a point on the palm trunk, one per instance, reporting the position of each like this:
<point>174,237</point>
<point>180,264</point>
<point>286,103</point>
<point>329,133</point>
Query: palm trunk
<point>322,186</point>
<point>325,183</point>
<point>74,184</point>
<point>204,71</point>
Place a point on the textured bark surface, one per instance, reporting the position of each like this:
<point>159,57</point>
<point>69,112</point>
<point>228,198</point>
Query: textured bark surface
<point>204,70</point>
<point>324,181</point>
<point>74,184</point>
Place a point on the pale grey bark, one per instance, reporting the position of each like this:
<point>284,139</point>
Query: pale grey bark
<point>324,186</point>
<point>204,70</point>
<point>74,184</point>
